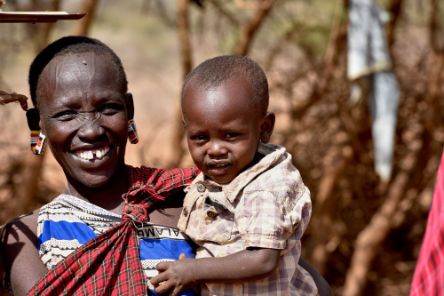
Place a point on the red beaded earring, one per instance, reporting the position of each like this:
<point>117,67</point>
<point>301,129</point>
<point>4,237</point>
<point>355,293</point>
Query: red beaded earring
<point>37,142</point>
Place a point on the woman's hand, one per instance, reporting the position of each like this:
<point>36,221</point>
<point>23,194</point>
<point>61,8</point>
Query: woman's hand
<point>174,276</point>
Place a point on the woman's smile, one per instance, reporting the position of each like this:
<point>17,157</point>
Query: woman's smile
<point>93,154</point>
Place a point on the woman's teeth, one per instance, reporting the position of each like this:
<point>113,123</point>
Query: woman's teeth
<point>93,154</point>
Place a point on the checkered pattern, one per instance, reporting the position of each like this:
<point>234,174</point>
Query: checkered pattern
<point>429,273</point>
<point>110,263</point>
<point>266,206</point>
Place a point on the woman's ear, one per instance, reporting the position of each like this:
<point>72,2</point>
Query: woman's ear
<point>129,105</point>
<point>267,127</point>
<point>33,119</point>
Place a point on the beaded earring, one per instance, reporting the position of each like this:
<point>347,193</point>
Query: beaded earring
<point>132,132</point>
<point>40,144</point>
<point>37,137</point>
<point>34,140</point>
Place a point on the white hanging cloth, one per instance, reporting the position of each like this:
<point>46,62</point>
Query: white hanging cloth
<point>369,59</point>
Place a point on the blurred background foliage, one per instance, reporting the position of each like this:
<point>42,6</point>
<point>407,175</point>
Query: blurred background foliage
<point>365,233</point>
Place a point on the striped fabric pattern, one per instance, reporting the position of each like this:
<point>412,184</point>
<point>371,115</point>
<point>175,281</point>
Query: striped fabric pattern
<point>68,222</point>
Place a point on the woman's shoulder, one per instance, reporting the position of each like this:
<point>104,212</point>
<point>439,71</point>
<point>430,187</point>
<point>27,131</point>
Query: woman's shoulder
<point>22,263</point>
<point>22,227</point>
<point>18,235</point>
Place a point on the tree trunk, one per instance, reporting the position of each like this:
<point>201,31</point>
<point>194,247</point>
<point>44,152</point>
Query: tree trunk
<point>88,7</point>
<point>249,30</point>
<point>43,35</point>
<point>183,27</point>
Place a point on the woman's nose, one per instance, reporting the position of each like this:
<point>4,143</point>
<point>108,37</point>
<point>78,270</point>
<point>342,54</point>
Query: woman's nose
<point>90,130</point>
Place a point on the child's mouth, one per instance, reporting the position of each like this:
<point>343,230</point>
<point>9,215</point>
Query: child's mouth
<point>218,168</point>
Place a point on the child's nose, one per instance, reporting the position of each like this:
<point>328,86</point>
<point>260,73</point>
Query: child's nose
<point>217,149</point>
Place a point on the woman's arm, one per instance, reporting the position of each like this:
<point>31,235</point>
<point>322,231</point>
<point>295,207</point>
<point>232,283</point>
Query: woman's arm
<point>321,283</point>
<point>246,264</point>
<point>20,255</point>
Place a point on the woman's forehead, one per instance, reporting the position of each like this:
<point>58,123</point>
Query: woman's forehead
<point>70,65</point>
<point>78,75</point>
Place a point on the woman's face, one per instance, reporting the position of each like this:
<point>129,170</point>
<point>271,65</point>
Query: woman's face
<point>83,113</point>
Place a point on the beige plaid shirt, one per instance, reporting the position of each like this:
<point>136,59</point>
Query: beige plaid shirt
<point>266,206</point>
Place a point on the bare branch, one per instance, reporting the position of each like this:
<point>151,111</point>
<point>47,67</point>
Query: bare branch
<point>6,98</point>
<point>337,38</point>
<point>395,9</point>
<point>224,12</point>
<point>250,29</point>
<point>434,27</point>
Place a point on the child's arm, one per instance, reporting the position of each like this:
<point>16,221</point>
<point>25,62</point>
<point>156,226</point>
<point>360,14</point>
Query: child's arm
<point>246,264</point>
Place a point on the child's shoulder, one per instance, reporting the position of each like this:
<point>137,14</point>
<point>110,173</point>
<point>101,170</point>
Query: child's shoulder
<point>277,162</point>
<point>278,172</point>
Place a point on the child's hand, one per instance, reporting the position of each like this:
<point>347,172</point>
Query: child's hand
<point>174,275</point>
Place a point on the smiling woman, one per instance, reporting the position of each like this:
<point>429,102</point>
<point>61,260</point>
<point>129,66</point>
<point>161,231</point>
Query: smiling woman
<point>93,238</point>
<point>85,115</point>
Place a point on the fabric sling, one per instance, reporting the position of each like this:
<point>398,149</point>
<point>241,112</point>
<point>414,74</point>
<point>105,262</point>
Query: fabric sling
<point>109,264</point>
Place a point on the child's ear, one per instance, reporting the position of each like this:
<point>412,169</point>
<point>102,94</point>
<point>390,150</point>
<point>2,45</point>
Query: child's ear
<point>267,127</point>
<point>129,105</point>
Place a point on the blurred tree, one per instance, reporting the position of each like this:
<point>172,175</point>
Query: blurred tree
<point>89,7</point>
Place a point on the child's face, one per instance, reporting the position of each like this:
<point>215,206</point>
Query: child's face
<point>223,128</point>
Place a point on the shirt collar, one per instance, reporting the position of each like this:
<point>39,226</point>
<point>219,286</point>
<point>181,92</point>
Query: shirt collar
<point>272,155</point>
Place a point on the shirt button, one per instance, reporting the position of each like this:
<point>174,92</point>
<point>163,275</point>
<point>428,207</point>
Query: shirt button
<point>211,214</point>
<point>201,188</point>
<point>185,212</point>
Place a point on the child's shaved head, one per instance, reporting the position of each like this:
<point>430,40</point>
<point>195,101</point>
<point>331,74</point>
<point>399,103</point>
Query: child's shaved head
<point>213,72</point>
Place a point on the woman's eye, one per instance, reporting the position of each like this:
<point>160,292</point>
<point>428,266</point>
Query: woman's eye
<point>111,109</point>
<point>66,115</point>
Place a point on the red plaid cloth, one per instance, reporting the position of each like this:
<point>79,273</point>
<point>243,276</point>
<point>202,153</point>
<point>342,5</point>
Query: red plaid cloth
<point>110,263</point>
<point>429,273</point>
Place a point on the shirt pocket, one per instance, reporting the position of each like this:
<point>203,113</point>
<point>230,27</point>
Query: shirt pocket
<point>216,222</point>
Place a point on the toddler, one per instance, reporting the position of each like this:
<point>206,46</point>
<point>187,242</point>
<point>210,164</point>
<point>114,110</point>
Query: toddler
<point>248,208</point>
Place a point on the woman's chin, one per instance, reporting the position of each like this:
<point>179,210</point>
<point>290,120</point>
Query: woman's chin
<point>94,174</point>
<point>97,181</point>
<point>92,180</point>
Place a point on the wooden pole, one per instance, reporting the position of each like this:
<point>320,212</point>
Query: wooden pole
<point>183,28</point>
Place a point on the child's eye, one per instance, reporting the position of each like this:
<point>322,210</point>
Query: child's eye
<point>231,136</point>
<point>198,138</point>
